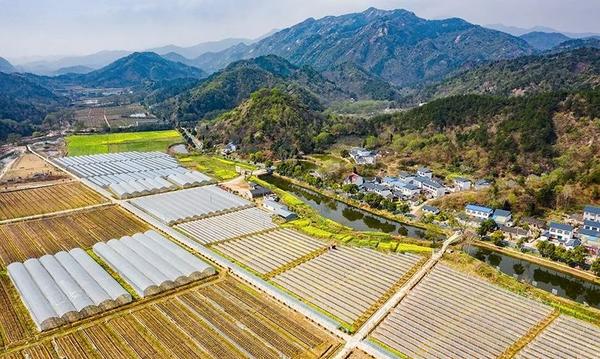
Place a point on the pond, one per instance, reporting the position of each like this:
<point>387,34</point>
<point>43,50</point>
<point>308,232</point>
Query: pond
<point>553,281</point>
<point>344,214</point>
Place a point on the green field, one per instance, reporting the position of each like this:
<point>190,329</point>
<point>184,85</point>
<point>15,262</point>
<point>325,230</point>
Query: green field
<point>217,167</point>
<point>78,145</point>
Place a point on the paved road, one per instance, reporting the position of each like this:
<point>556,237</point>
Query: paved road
<point>357,339</point>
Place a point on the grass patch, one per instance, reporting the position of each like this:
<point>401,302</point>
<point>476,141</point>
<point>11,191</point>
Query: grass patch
<point>467,264</point>
<point>78,145</point>
<point>113,274</point>
<point>222,169</point>
<point>388,348</point>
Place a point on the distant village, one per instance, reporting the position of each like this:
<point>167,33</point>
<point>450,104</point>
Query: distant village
<point>577,230</point>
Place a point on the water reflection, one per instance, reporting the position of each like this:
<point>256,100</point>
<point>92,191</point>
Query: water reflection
<point>565,285</point>
<point>340,212</point>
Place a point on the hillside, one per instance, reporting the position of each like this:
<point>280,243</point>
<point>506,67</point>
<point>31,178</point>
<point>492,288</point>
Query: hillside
<point>226,89</point>
<point>360,83</point>
<point>565,71</point>
<point>6,66</point>
<point>138,68</point>
<point>576,44</point>
<point>23,103</point>
<point>544,40</point>
<point>395,45</point>
<point>273,121</point>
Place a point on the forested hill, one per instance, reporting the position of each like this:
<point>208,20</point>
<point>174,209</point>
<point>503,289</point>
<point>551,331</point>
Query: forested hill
<point>272,121</point>
<point>395,45</point>
<point>565,71</point>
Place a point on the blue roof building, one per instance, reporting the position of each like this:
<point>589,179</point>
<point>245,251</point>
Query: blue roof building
<point>591,213</point>
<point>475,210</point>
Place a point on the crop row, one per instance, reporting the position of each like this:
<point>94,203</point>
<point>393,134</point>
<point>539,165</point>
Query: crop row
<point>42,200</point>
<point>35,238</point>
<point>452,315</point>
<point>13,322</point>
<point>268,251</point>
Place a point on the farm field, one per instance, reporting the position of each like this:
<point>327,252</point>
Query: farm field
<point>30,169</point>
<point>220,168</point>
<point>228,226</point>
<point>349,283</point>
<point>191,204</point>
<point>48,199</point>
<point>220,320</point>
<point>116,116</point>
<point>78,145</point>
<point>565,337</point>
<point>449,314</point>
<point>15,323</point>
<point>266,252</point>
<point>35,238</point>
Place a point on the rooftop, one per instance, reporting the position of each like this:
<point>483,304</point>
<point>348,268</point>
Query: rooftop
<point>592,209</point>
<point>561,226</point>
<point>479,208</point>
<point>502,213</point>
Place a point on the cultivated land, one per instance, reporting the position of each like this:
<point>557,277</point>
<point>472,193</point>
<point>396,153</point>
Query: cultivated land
<point>30,169</point>
<point>269,251</point>
<point>78,145</point>
<point>15,323</point>
<point>566,337</point>
<point>349,283</point>
<point>219,320</point>
<point>112,116</point>
<point>449,314</point>
<point>49,199</point>
<point>34,238</point>
<point>228,226</point>
<point>216,167</point>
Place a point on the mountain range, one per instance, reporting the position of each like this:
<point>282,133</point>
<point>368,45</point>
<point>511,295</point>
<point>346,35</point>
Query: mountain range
<point>6,66</point>
<point>396,45</point>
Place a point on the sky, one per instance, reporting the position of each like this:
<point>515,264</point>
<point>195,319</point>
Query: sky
<point>74,27</point>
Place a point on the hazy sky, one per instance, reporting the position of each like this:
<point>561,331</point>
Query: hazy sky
<point>59,27</point>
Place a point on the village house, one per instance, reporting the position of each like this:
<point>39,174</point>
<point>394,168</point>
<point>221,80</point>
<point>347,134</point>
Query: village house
<point>534,223</point>
<point>430,210</point>
<point>354,179</point>
<point>590,236</point>
<point>482,184</point>
<point>514,233</point>
<point>229,149</point>
<point>429,186</point>
<point>425,172</point>
<point>279,209</point>
<point>379,189</point>
<point>560,231</point>
<point>256,191</point>
<point>591,213</point>
<point>462,184</point>
<point>406,177</point>
<point>502,217</point>
<point>363,157</point>
<point>477,211</point>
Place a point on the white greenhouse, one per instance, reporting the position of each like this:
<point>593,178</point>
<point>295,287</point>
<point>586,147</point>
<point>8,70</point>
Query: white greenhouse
<point>65,287</point>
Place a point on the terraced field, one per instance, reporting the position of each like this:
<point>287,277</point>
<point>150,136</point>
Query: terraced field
<point>222,320</point>
<point>228,226</point>
<point>451,315</point>
<point>265,252</point>
<point>566,337</point>
<point>49,199</point>
<point>35,238</point>
<point>348,282</point>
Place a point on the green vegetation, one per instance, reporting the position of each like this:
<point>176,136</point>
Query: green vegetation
<point>219,168</point>
<point>572,257</point>
<point>271,121</point>
<point>312,223</point>
<point>122,142</point>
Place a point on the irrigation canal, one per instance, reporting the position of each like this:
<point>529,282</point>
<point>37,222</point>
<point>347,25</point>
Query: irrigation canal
<point>553,281</point>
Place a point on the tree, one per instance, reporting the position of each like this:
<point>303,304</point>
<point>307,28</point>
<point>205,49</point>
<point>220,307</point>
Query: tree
<point>486,227</point>
<point>350,188</point>
<point>596,266</point>
<point>498,238</point>
<point>402,207</point>
<point>373,199</point>
<point>345,153</point>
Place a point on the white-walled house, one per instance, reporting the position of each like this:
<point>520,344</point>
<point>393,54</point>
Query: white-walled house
<point>429,186</point>
<point>560,231</point>
<point>425,172</point>
<point>462,184</point>
<point>482,184</point>
<point>354,179</point>
<point>477,211</point>
<point>502,217</point>
<point>363,156</point>
<point>591,213</point>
